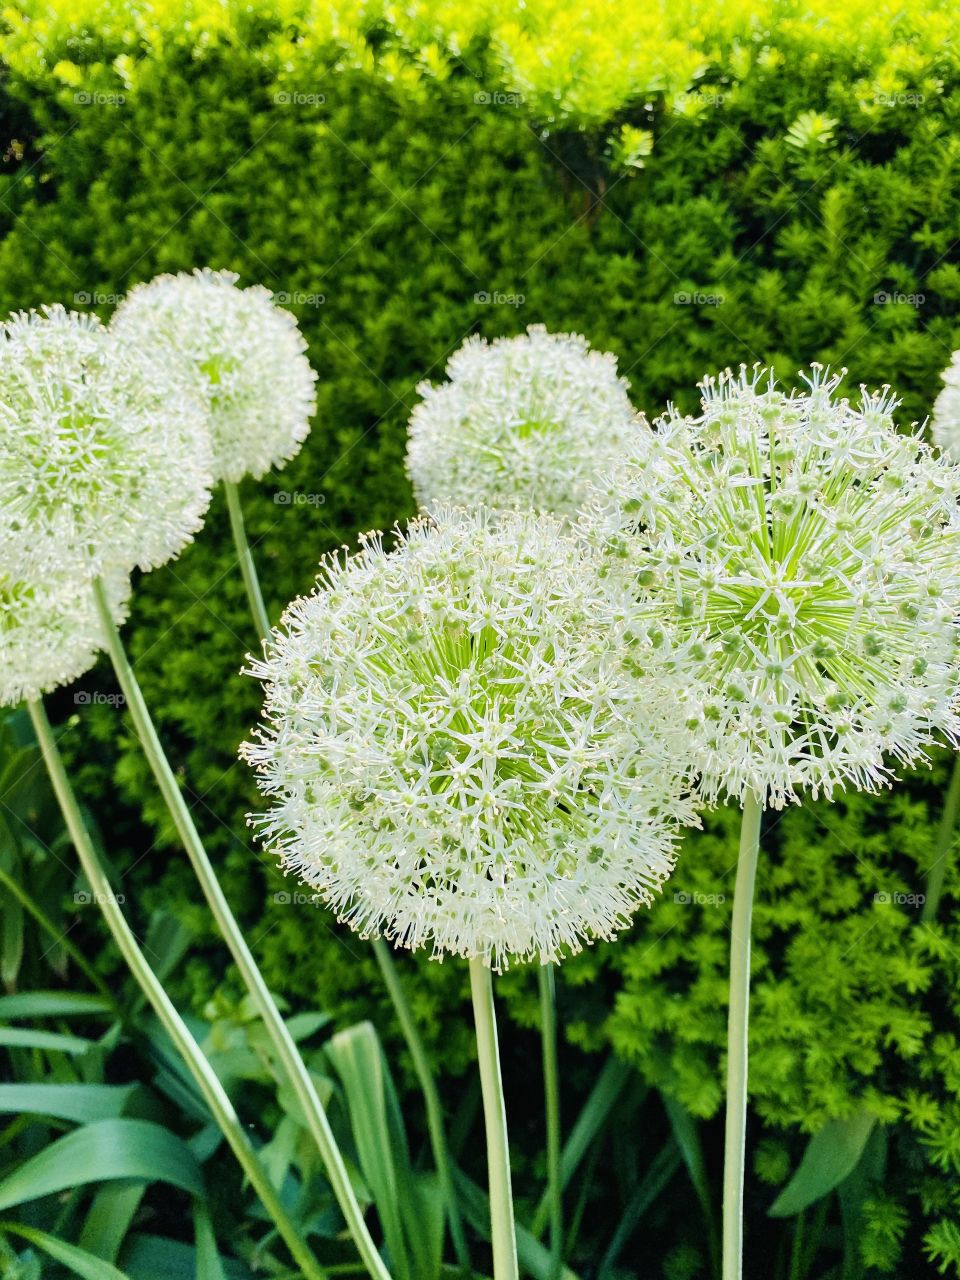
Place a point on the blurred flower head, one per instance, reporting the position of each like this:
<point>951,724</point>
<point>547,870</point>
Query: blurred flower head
<point>811,555</point>
<point>523,424</point>
<point>100,463</point>
<point>50,631</point>
<point>946,411</point>
<point>239,353</point>
<point>451,744</point>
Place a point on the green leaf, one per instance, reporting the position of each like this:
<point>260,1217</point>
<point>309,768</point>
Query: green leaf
<point>381,1148</point>
<point>100,1152</point>
<point>78,1261</point>
<point>81,1103</point>
<point>686,1134</point>
<point>357,1059</point>
<point>830,1156</point>
<point>209,1265</point>
<point>108,1220</point>
<point>50,1004</point>
<point>148,1257</point>
<point>28,1038</point>
<point>662,1168</point>
<point>596,1111</point>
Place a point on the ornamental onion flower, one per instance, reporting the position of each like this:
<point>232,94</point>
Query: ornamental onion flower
<point>811,555</point>
<point>100,464</point>
<point>241,354</point>
<point>451,745</point>
<point>946,411</point>
<point>523,424</point>
<point>50,632</point>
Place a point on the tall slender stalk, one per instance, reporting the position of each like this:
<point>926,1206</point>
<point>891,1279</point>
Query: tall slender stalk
<point>435,1126</point>
<point>291,1062</point>
<point>502,1229</point>
<point>207,1081</point>
<point>391,978</point>
<point>247,567</point>
<point>736,1126</point>
<point>551,1089</point>
<point>944,843</point>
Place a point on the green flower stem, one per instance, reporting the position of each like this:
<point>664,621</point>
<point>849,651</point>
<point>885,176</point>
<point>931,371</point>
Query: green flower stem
<point>735,1142</point>
<point>289,1057</point>
<point>391,977</point>
<point>247,568</point>
<point>435,1126</point>
<point>941,858</point>
<point>551,1086</point>
<point>503,1232</point>
<point>207,1081</point>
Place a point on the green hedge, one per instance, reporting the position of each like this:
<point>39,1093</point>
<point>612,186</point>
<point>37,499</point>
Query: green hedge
<point>800,203</point>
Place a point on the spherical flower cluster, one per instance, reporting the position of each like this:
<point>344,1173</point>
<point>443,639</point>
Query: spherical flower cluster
<point>100,464</point>
<point>946,411</point>
<point>811,555</point>
<point>50,632</point>
<point>241,354</point>
<point>523,424</point>
<point>468,747</point>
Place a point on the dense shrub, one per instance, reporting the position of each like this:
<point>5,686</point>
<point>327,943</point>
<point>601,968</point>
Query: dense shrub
<point>688,190</point>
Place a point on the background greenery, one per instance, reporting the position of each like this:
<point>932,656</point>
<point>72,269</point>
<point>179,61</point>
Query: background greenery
<point>691,187</point>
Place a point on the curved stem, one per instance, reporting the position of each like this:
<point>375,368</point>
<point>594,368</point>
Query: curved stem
<point>737,1020</point>
<point>502,1230</point>
<point>293,1066</point>
<point>435,1126</point>
<point>247,568</point>
<point>551,1088</point>
<point>384,956</point>
<point>207,1082</point>
<point>941,858</point>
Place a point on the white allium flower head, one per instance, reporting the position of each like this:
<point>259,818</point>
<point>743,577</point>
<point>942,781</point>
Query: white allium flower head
<point>244,356</point>
<point>946,411</point>
<point>811,555</point>
<point>50,631</point>
<point>100,463</point>
<point>451,744</point>
<point>523,424</point>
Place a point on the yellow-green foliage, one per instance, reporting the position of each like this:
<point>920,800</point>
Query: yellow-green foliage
<point>691,186</point>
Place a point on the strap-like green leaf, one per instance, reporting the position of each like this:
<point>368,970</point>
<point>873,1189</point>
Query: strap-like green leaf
<point>99,1152</point>
<point>50,1004</point>
<point>78,1261</point>
<point>830,1156</point>
<point>31,1038</point>
<point>82,1103</point>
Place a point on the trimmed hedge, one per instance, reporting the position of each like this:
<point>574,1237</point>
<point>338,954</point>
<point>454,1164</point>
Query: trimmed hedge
<point>688,190</point>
